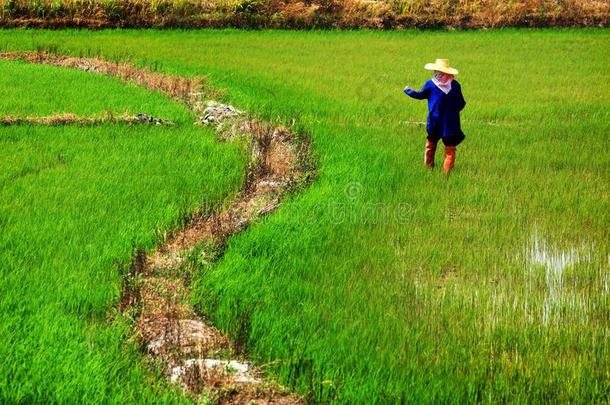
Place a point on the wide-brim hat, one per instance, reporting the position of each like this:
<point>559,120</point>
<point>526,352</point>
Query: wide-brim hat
<point>442,65</point>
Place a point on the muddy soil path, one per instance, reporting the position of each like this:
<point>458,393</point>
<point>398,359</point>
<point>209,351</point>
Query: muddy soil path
<point>195,355</point>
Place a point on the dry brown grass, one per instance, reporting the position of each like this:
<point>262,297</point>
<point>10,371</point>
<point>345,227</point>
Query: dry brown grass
<point>70,119</point>
<point>304,14</point>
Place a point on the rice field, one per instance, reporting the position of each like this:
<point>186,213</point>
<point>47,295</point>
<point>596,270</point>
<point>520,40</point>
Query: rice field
<point>380,282</point>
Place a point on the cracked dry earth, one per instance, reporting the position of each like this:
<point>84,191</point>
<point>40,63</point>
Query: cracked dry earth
<point>194,354</point>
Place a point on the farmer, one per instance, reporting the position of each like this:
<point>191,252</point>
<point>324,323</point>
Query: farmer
<point>445,101</point>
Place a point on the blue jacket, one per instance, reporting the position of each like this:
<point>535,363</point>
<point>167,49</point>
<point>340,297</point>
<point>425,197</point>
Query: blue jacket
<point>443,109</point>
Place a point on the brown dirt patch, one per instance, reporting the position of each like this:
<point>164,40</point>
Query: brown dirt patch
<point>74,119</point>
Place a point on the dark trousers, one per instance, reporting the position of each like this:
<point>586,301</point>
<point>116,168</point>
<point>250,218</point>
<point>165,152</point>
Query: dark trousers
<point>453,140</point>
<point>433,128</point>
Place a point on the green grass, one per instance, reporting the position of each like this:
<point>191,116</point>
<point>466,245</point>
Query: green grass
<point>33,90</point>
<point>74,201</point>
<point>383,282</point>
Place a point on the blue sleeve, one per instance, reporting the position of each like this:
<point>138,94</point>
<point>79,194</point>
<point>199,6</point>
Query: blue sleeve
<point>460,99</point>
<point>419,95</point>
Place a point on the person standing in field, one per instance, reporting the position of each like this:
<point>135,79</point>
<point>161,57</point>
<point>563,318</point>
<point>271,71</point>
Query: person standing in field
<point>445,101</point>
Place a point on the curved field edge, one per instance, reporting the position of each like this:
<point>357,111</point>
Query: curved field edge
<point>79,200</point>
<point>54,92</point>
<point>308,14</point>
<point>448,305</point>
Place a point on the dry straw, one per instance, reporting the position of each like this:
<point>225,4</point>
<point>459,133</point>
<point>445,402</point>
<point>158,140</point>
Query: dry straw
<point>306,14</point>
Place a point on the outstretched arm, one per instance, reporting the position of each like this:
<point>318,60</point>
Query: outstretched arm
<point>419,95</point>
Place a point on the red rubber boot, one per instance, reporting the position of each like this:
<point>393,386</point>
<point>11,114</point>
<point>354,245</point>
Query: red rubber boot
<point>429,156</point>
<point>449,158</point>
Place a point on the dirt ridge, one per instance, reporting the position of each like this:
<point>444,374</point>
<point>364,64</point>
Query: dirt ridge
<point>75,119</point>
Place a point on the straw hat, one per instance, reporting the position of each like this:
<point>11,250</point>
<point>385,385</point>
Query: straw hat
<point>442,65</point>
